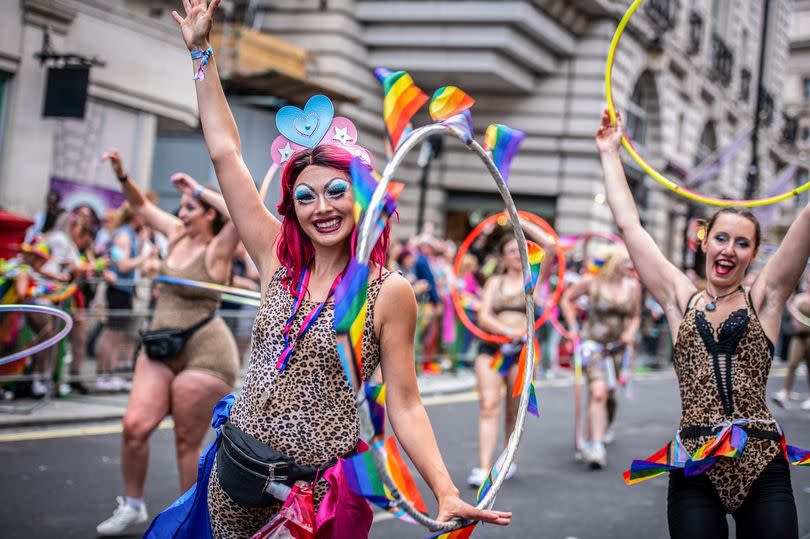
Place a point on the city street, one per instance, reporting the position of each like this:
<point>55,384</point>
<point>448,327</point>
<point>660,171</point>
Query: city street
<point>63,486</point>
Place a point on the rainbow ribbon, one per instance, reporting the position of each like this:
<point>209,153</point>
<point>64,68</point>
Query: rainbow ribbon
<point>502,143</point>
<point>351,307</point>
<point>729,442</point>
<point>364,479</point>
<point>449,101</point>
<point>363,185</point>
<point>376,407</point>
<point>536,257</point>
<point>465,532</point>
<point>501,363</point>
<point>402,100</point>
<point>402,476</point>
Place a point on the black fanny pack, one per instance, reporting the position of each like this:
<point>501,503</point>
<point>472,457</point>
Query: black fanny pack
<point>245,466</point>
<point>169,342</point>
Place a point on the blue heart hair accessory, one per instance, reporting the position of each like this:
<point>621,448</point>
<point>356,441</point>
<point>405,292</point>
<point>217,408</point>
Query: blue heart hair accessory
<point>316,124</point>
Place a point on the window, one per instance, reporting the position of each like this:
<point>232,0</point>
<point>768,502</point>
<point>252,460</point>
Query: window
<point>720,16</point>
<point>707,145</point>
<point>806,88</point>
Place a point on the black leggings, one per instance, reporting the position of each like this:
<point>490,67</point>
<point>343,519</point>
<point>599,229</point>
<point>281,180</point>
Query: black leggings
<point>694,509</point>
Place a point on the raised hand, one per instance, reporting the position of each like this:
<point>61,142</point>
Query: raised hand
<point>114,157</point>
<point>196,25</point>
<point>184,183</point>
<point>609,136</point>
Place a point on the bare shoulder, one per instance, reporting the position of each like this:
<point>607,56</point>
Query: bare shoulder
<point>395,289</point>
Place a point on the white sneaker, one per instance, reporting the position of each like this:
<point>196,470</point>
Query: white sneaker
<point>579,454</point>
<point>105,383</point>
<point>780,398</point>
<point>119,384</point>
<point>596,456</point>
<point>805,405</point>
<point>64,389</point>
<point>510,473</point>
<point>610,435</point>
<point>123,517</point>
<point>39,388</point>
<point>477,477</point>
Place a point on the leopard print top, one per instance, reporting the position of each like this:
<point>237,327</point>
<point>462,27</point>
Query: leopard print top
<point>722,373</point>
<point>306,411</point>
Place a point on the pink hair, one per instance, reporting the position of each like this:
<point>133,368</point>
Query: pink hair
<point>294,248</point>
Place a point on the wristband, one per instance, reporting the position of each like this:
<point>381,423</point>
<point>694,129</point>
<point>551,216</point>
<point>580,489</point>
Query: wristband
<point>204,57</point>
<point>198,190</point>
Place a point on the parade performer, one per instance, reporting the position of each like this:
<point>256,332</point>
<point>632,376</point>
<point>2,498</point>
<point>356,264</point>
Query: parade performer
<point>296,403</point>
<point>729,455</point>
<point>607,335</point>
<point>799,347</point>
<point>188,379</point>
<point>503,312</point>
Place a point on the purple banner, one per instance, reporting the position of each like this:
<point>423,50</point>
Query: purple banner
<point>75,193</point>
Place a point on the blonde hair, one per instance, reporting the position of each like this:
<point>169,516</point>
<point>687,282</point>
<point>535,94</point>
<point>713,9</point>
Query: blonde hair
<point>468,264</point>
<point>612,258</point>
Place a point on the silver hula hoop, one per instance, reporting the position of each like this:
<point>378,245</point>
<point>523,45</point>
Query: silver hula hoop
<point>363,252</point>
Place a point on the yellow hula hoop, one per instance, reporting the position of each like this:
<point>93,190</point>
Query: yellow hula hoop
<point>628,144</point>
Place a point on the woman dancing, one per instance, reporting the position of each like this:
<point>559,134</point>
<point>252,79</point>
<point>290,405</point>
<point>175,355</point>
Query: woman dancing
<point>503,312</point>
<point>304,408</point>
<point>187,385</point>
<point>723,350</point>
<point>608,333</point>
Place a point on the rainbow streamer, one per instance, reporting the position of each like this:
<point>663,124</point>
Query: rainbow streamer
<point>363,185</point>
<point>533,408</point>
<point>449,101</point>
<point>536,257</point>
<point>501,363</point>
<point>493,474</point>
<point>502,143</point>
<point>401,476</point>
<point>376,407</point>
<point>402,100</point>
<point>465,532</point>
<point>461,124</point>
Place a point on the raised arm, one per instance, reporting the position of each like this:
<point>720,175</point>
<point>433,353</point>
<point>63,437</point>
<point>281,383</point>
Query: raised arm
<point>256,225</point>
<point>778,278</point>
<point>395,317</point>
<point>225,242</point>
<point>666,283</point>
<point>169,225</point>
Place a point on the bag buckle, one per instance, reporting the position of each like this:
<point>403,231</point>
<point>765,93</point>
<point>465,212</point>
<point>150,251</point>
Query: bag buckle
<point>271,471</point>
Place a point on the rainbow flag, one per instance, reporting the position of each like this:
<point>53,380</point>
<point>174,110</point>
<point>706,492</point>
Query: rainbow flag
<point>402,100</point>
<point>363,185</point>
<point>501,363</point>
<point>796,455</point>
<point>449,101</point>
<point>523,367</point>
<point>494,472</point>
<point>532,408</point>
<point>460,533</point>
<point>402,477</point>
<point>536,257</point>
<point>376,407</point>
<point>461,124</point>
<point>502,143</point>
<point>351,307</point>
<point>363,478</point>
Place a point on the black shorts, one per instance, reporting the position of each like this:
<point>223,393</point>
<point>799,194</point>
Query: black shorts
<point>119,300</point>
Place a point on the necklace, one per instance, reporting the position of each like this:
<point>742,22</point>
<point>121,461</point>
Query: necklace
<point>712,305</point>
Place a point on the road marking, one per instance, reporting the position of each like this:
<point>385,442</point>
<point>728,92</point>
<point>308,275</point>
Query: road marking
<point>73,432</point>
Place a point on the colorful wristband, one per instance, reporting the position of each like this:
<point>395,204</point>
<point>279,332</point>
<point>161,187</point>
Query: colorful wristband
<point>204,57</point>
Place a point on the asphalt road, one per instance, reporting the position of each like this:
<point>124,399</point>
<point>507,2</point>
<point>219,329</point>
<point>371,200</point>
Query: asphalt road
<point>63,486</point>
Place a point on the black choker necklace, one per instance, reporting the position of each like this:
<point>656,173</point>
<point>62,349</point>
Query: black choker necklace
<point>712,305</point>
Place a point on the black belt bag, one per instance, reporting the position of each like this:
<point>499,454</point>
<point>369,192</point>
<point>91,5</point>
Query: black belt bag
<point>169,342</point>
<point>245,466</point>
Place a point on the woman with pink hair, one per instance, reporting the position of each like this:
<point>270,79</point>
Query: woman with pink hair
<point>296,402</point>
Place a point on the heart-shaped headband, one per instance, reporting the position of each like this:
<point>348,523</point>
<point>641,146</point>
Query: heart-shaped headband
<point>313,126</point>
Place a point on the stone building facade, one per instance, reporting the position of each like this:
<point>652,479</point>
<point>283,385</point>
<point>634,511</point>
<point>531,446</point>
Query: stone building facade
<point>685,76</point>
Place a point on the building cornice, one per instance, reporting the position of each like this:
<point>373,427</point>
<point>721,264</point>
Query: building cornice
<point>51,14</point>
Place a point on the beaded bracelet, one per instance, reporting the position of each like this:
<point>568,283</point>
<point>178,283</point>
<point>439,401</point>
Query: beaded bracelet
<point>204,57</point>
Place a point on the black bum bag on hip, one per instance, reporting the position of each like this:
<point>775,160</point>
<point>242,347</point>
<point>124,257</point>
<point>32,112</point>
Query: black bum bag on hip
<point>169,342</point>
<point>245,466</point>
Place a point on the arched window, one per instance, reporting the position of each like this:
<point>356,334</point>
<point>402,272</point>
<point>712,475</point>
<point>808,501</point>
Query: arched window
<point>707,144</point>
<point>642,125</point>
